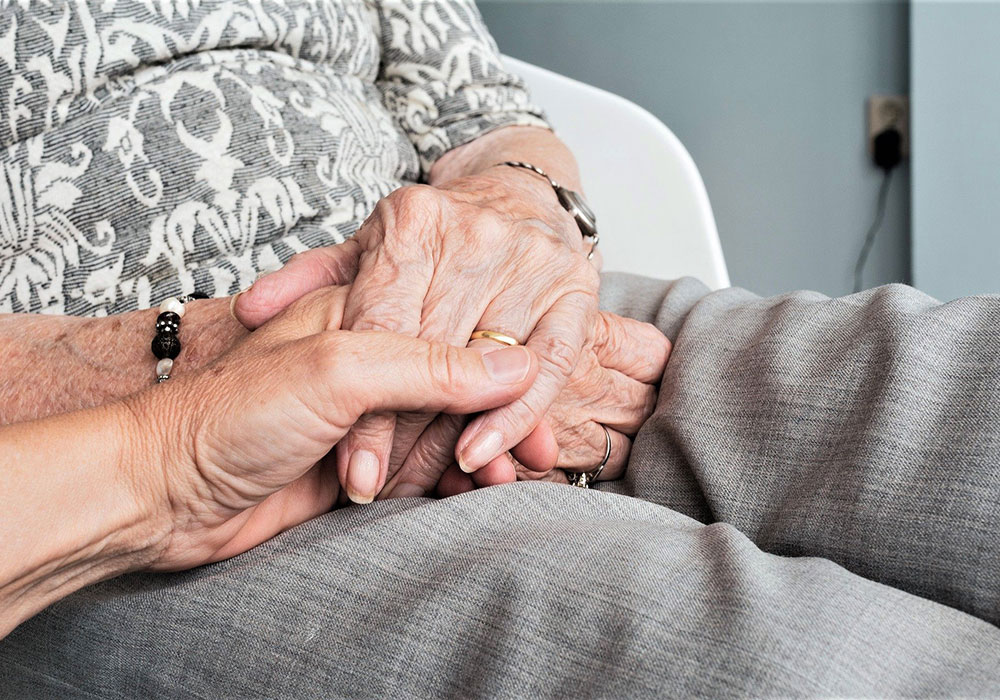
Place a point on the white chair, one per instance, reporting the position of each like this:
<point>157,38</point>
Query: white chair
<point>652,209</point>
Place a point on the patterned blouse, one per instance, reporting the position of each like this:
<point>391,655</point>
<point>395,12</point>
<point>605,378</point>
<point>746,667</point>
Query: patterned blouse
<point>154,146</point>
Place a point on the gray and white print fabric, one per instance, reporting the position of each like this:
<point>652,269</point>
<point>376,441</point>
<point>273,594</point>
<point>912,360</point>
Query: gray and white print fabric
<point>154,146</point>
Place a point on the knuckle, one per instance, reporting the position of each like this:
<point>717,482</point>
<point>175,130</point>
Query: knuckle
<point>326,303</point>
<point>666,347</point>
<point>428,451</point>
<point>596,440</point>
<point>377,322</point>
<point>656,345</point>
<point>427,461</point>
<point>328,355</point>
<point>299,257</point>
<point>371,431</point>
<point>649,331</point>
<point>326,358</point>
<point>444,368</point>
<point>415,201</point>
<point>606,339</point>
<point>560,354</point>
<point>340,263</point>
<point>518,419</point>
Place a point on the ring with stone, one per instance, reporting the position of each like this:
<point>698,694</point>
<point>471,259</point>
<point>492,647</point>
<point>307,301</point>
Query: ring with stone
<point>585,479</point>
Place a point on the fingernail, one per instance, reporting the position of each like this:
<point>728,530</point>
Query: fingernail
<point>406,491</point>
<point>509,365</point>
<point>362,476</point>
<point>482,450</point>
<point>232,301</point>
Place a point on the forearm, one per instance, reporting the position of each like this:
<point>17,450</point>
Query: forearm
<point>76,508</point>
<point>530,144</point>
<point>55,364</point>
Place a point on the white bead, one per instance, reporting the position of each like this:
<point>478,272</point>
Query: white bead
<point>172,304</point>
<point>164,366</point>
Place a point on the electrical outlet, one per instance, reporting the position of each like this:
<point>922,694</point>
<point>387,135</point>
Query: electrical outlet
<point>885,111</point>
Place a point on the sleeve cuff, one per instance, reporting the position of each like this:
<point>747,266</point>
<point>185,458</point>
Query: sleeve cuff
<point>437,122</point>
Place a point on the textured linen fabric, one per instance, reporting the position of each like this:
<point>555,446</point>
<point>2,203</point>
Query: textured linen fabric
<point>864,429</point>
<point>153,147</point>
<point>545,590</point>
<point>530,590</point>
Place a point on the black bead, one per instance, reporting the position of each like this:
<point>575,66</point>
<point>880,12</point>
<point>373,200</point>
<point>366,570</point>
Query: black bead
<point>197,295</point>
<point>166,345</point>
<point>168,322</point>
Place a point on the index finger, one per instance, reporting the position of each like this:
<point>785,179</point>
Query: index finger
<point>557,340</point>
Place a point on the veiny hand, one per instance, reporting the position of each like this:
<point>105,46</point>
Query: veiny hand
<point>243,442</point>
<point>492,251</point>
<point>613,385</point>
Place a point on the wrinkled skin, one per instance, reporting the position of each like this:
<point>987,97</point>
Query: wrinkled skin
<point>614,384</point>
<point>244,460</point>
<point>491,251</point>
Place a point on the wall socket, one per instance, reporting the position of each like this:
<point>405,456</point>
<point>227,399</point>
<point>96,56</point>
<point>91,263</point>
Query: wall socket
<point>885,111</point>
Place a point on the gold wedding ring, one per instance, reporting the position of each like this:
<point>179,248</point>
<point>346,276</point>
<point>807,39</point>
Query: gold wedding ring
<point>493,335</point>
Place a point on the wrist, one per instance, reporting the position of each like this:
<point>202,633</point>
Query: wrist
<point>570,231</point>
<point>56,364</point>
<point>207,331</point>
<point>77,511</point>
<point>521,194</point>
<point>119,347</point>
<point>153,448</point>
<point>158,465</point>
<point>522,178</point>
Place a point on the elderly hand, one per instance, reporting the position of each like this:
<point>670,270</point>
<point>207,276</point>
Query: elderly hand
<point>614,385</point>
<point>244,441</point>
<point>493,251</point>
<point>616,388</point>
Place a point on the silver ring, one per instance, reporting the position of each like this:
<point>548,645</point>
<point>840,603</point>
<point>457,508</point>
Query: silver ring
<point>593,247</point>
<point>585,479</point>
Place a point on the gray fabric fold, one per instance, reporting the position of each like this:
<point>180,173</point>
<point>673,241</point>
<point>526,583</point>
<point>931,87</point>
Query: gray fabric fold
<point>864,429</point>
<point>517,591</point>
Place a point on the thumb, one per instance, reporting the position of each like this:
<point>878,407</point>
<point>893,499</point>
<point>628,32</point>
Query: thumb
<point>303,273</point>
<point>374,371</point>
<point>318,311</point>
<point>636,349</point>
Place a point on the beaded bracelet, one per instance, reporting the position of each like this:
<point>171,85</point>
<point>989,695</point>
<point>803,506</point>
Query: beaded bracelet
<point>166,346</point>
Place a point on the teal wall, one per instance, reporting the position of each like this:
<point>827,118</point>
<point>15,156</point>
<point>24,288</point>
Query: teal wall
<point>956,166</point>
<point>769,97</point>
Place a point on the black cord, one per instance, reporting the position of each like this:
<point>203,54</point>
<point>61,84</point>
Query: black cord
<point>859,268</point>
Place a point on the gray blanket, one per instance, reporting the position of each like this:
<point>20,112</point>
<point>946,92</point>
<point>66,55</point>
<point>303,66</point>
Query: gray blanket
<point>812,511</point>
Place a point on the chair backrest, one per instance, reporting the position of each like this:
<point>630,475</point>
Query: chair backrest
<point>652,209</point>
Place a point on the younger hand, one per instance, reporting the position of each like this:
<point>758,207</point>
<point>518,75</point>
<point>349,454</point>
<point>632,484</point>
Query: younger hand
<point>244,444</point>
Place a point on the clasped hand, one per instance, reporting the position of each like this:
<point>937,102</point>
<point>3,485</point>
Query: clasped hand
<point>277,428</point>
<point>493,251</point>
<point>245,443</point>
